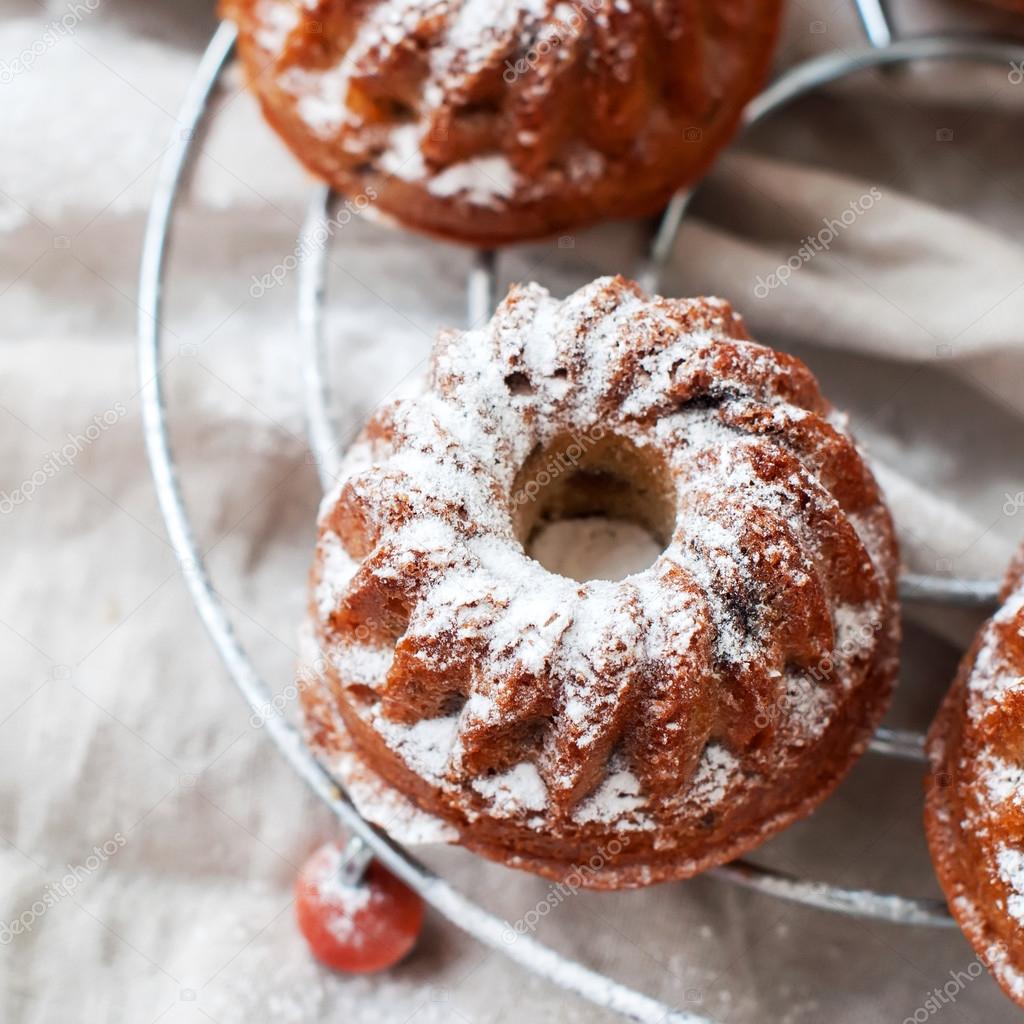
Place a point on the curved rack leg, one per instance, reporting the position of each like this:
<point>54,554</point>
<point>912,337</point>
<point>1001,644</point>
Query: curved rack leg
<point>926,589</point>
<point>323,437</point>
<point>481,298</point>
<point>852,902</point>
<point>355,859</point>
<point>482,288</point>
<point>875,19</point>
<point>663,243</point>
<point>800,81</point>
<point>901,743</point>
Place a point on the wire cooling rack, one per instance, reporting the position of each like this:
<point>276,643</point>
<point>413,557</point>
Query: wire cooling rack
<point>883,50</point>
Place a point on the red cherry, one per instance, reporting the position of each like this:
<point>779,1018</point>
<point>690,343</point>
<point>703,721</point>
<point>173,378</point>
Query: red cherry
<point>357,928</point>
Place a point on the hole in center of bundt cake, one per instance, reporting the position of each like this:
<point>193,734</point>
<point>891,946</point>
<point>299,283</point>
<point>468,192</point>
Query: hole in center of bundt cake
<point>594,548</point>
<point>594,505</point>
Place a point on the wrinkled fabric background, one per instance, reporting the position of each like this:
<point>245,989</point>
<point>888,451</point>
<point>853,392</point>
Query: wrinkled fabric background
<point>119,731</point>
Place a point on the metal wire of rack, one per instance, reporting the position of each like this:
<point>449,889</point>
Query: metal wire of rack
<point>489,929</point>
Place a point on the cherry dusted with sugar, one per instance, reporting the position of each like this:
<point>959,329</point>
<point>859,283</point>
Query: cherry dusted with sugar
<point>355,926</point>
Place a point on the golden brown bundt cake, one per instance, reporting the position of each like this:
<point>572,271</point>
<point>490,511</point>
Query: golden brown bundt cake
<point>975,791</point>
<point>650,727</point>
<point>490,121</point>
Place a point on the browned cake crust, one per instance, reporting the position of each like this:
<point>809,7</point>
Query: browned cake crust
<point>1015,6</point>
<point>974,813</point>
<point>490,121</point>
<point>647,728</point>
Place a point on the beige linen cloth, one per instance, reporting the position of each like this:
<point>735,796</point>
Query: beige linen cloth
<point>149,834</point>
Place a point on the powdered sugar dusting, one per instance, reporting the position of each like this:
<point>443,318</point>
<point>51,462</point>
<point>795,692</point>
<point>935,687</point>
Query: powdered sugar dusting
<point>1002,779</point>
<point>338,570</point>
<point>277,18</point>
<point>715,774</point>
<point>425,746</point>
<point>991,677</point>
<point>519,789</point>
<point>402,157</point>
<point>481,180</point>
<point>619,797</point>
<point>346,903</point>
<point>1010,863</point>
<point>320,96</point>
<point>994,678</point>
<point>385,807</point>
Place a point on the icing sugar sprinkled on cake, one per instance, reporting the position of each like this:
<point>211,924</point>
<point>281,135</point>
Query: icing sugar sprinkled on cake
<point>362,664</point>
<point>520,788</point>
<point>482,179</point>
<point>618,797</point>
<point>402,157</point>
<point>339,568</point>
<point>1003,780</point>
<point>715,773</point>
<point>321,97</point>
<point>991,678</point>
<point>277,20</point>
<point>1010,863</point>
<point>425,746</point>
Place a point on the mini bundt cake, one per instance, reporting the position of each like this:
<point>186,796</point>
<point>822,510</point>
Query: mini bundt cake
<point>975,791</point>
<point>490,121</point>
<point>650,727</point>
